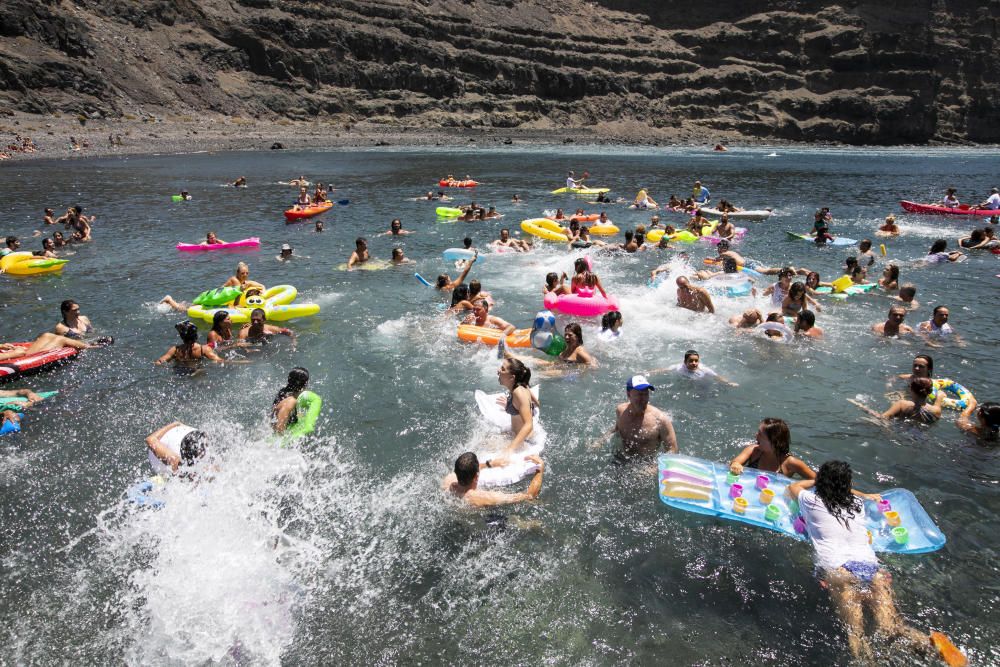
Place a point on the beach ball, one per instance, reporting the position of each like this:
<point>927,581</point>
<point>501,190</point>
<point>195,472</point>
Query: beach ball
<point>544,321</point>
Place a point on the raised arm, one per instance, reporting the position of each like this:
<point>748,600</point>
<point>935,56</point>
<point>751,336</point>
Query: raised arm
<point>161,451</point>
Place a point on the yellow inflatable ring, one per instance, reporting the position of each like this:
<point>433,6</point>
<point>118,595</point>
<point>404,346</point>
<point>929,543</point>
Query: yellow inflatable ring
<point>962,397</point>
<point>26,264</point>
<point>604,230</point>
<point>544,228</point>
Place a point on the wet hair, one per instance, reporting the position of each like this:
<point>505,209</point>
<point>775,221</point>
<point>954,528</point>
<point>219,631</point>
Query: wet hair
<point>779,436</point>
<point>990,413</point>
<point>482,302</point>
<point>833,488</point>
<point>298,378</point>
<point>193,447</point>
<point>812,275</point>
<point>396,221</point>
<point>893,272</point>
<point>977,235</point>
<point>806,317</point>
<point>397,253</point>
<point>936,309</point>
<point>551,279</point>
<point>629,235</point>
<point>66,306</point>
<point>609,318</point>
<point>217,320</point>
<point>930,362</point>
<point>11,240</point>
<point>505,229</point>
<point>242,266</point>
<point>922,387</point>
<point>187,331</point>
<point>574,328</point>
<point>521,373</point>
<point>442,280</point>
<point>909,289</point>
<point>850,263</point>
<point>691,353</point>
<point>729,265</point>
<point>580,265</point>
<point>640,237</point>
<point>865,245</point>
<point>938,246</point>
<point>475,287</point>
<point>258,310</point>
<point>786,272</point>
<point>466,468</point>
<point>723,245</point>
<point>857,271</point>
<point>459,294</point>
<point>797,292</point>
<point>467,242</point>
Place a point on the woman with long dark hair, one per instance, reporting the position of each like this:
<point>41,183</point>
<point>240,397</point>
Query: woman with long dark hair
<point>772,452</point>
<point>514,376</point>
<point>284,410</point>
<point>846,563</point>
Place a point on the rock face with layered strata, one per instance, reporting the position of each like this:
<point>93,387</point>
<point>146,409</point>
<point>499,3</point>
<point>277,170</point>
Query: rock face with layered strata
<point>899,71</point>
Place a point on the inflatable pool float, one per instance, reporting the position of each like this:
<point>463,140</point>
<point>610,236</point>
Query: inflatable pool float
<point>933,209</point>
<point>580,191</point>
<point>847,291</point>
<point>838,241</point>
<point>308,407</point>
<point>584,304</point>
<point>252,242</point>
<point>587,217</point>
<point>26,264</point>
<point>740,215</point>
<point>457,184</point>
<point>180,198</point>
<point>703,487</point>
<point>37,362</point>
<point>470,333</point>
<point>147,493</point>
<point>301,212</point>
<point>16,403</point>
<point>370,265</point>
<point>220,296</point>
<point>786,334</point>
<point>446,212</point>
<point>518,468</point>
<point>714,239</point>
<point>683,236</point>
<point>276,302</point>
<point>957,396</point>
<point>729,285</point>
<point>456,254</point>
<point>604,230</point>
<point>423,281</point>
<point>544,228</point>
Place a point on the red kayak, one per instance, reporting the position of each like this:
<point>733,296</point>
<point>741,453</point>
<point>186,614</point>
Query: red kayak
<point>302,212</point>
<point>12,368</point>
<point>458,184</point>
<point>933,209</point>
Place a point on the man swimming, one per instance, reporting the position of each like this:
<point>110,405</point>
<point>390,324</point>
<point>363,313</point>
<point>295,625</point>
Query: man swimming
<point>644,429</point>
<point>463,483</point>
<point>693,298</point>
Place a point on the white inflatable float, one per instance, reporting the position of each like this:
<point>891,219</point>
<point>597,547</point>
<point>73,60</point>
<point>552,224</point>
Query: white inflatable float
<point>518,468</point>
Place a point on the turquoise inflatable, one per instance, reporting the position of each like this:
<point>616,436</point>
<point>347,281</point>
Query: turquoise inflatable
<point>703,487</point>
<point>146,493</point>
<point>16,403</point>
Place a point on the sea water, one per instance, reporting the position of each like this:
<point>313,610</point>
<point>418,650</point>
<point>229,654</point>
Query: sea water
<point>342,551</point>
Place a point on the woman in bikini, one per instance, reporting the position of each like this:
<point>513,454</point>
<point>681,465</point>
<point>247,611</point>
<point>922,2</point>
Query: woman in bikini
<point>771,453</point>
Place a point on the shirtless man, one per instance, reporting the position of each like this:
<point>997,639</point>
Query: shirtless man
<point>396,229</point>
<point>893,326</point>
<point>360,254</point>
<point>643,429</point>
<point>693,298</point>
<point>258,330</point>
<point>805,325</point>
<point>464,482</point>
<point>480,317</point>
<point>748,319</point>
<point>506,241</point>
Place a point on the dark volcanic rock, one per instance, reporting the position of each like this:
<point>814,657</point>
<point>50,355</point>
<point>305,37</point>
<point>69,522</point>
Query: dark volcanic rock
<point>899,71</point>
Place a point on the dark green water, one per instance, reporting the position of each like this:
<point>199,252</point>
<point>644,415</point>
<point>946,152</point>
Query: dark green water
<point>343,552</point>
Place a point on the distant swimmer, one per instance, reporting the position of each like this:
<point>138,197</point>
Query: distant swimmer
<point>805,325</point>
<point>212,239</point>
<point>771,452</point>
<point>719,148</point>
<point>398,257</point>
<point>644,430</point>
<point>611,325</point>
<point>889,227</point>
<point>176,448</point>
<point>691,368</point>
<point>300,181</point>
<point>240,182</point>
<point>516,199</point>
<point>286,253</point>
<point>360,254</point>
<point>916,407</point>
<point>985,425</point>
<point>693,298</point>
<point>284,409</point>
<point>463,483</point>
<point>938,328</point>
<point>396,229</point>
<point>190,351</point>
<point>893,325</point>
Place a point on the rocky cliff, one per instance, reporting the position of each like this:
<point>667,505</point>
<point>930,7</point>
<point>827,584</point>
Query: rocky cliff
<point>896,71</point>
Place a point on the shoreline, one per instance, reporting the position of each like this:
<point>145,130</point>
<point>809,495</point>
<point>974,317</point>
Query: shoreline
<point>185,134</point>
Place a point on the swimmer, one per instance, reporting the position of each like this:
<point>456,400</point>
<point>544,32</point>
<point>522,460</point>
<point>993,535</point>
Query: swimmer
<point>506,241</point>
<point>31,396</point>
<point>889,228</point>
<point>221,334</point>
<point>555,283</point>
<point>890,278</point>
<point>319,225</point>
<point>584,279</point>
<point>73,324</point>
<point>399,258</point>
<point>692,368</point>
<point>611,325</point>
<point>779,290</point>
<point>300,181</point>
<point>693,298</point>
<point>257,330</point>
<point>188,454</point>
<point>49,217</point>
<point>446,284</point>
<point>49,341</point>
<point>515,199</point>
<point>986,426</point>
<point>286,253</point>
<point>939,253</point>
<point>189,351</point>
<point>915,407</point>
<point>212,239</point>
<point>481,317</point>
<point>240,279</point>
<point>284,409</point>
<point>395,229</point>
<point>835,522</point>
<point>520,404</point>
<point>937,327</point>
<point>907,294</point>
<point>772,452</point>
<point>59,240</point>
<point>575,352</point>
<point>492,212</point>
<point>644,430</point>
<point>893,325</point>
<point>866,257</point>
<point>630,245</point>
<point>463,483</point>
<point>725,229</point>
<point>812,282</point>
<point>796,300</point>
<point>360,254</point>
<point>184,195</point>
<point>805,325</point>
<point>748,319</point>
<point>644,201</point>
<point>240,182</point>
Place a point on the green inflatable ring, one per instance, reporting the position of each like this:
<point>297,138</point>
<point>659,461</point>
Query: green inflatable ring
<point>308,407</point>
<point>220,296</point>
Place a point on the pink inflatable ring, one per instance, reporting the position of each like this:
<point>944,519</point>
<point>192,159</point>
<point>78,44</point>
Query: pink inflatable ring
<point>584,304</point>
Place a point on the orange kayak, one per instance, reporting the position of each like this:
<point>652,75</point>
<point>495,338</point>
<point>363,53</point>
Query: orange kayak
<point>470,333</point>
<point>301,212</point>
